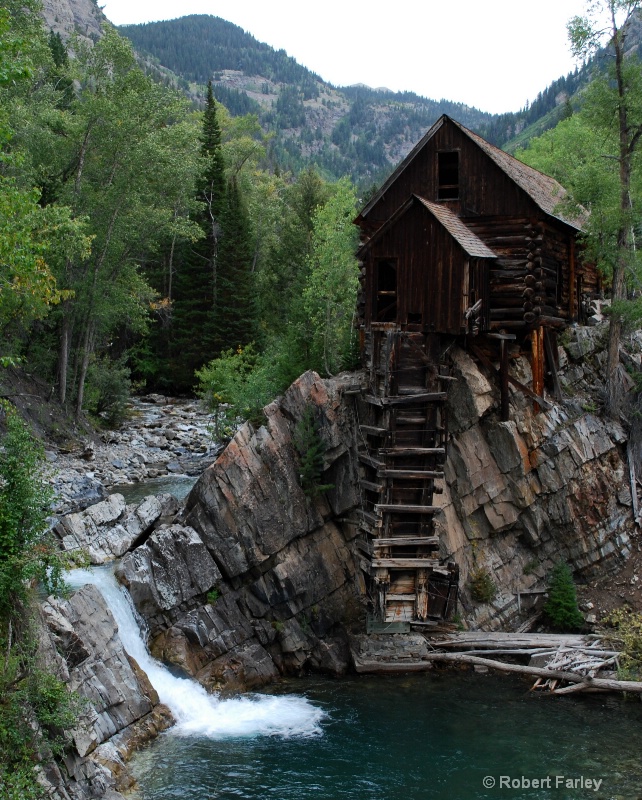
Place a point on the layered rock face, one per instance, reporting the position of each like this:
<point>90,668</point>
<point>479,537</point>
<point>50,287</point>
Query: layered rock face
<point>80,642</point>
<point>542,487</point>
<point>258,578</point>
<point>73,16</point>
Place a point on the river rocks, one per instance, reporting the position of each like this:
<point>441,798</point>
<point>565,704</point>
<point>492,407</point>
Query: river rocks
<point>257,580</point>
<point>158,438</point>
<point>108,529</point>
<point>81,643</point>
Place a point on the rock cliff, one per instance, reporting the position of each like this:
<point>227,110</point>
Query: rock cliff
<point>259,578</point>
<point>547,485</point>
<point>73,16</point>
<point>81,645</point>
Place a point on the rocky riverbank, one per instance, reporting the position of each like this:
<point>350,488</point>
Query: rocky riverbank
<point>161,437</point>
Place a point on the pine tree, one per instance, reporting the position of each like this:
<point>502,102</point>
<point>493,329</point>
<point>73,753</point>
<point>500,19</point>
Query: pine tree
<point>235,313</point>
<point>194,336</point>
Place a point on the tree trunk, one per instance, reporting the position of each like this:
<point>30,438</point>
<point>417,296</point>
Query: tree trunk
<point>87,350</point>
<point>63,354</point>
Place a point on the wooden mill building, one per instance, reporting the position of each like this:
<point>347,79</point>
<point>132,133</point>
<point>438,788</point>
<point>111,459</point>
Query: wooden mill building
<point>462,243</point>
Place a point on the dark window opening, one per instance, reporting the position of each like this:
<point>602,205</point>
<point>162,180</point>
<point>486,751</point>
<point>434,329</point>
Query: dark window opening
<point>415,318</point>
<point>448,176</point>
<point>385,309</point>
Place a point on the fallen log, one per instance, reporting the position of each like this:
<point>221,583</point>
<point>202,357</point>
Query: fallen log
<point>605,684</point>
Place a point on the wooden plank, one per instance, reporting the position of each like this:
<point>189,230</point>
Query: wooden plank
<point>403,509</point>
<point>371,487</point>
<point>370,461</point>
<point>404,563</point>
<point>406,541</point>
<point>373,430</point>
<point>397,400</point>
<point>402,597</point>
<point>413,474</point>
<point>396,452</point>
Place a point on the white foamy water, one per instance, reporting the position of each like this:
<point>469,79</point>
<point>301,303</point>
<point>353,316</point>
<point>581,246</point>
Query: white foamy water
<point>196,712</point>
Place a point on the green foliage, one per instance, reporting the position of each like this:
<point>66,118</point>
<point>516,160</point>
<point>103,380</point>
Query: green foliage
<point>212,596</point>
<point>26,553</point>
<point>561,607</point>
<point>36,711</point>
<point>483,588</point>
<point>310,448</point>
<point>627,637</point>
<point>235,386</point>
<point>108,391</point>
<point>330,296</point>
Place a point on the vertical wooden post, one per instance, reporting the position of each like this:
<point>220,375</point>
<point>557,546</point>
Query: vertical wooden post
<point>537,365</point>
<point>503,368</point>
<point>573,300</point>
<point>421,595</point>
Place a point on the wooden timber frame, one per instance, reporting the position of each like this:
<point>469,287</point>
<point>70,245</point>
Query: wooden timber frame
<point>403,435</point>
<point>462,244</point>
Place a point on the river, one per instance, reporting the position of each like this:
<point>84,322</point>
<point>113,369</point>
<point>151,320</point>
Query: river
<point>439,736</point>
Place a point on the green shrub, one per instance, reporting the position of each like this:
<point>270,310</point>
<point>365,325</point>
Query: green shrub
<point>483,588</point>
<point>561,607</point>
<point>627,637</point>
<point>36,711</point>
<point>107,391</point>
<point>235,387</point>
<point>310,448</point>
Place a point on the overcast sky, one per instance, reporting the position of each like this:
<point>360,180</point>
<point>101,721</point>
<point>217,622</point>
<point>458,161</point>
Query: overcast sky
<point>492,54</point>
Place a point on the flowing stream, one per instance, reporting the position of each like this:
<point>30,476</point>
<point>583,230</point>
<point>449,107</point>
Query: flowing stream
<point>196,712</point>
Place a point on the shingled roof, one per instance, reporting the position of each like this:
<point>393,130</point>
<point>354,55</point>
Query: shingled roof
<point>545,191</point>
<point>469,241</point>
<point>464,237</point>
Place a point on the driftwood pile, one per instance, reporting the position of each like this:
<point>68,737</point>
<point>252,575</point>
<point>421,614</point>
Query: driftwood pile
<point>562,664</point>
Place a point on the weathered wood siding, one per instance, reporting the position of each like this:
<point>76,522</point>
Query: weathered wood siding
<point>484,189</point>
<point>432,273</point>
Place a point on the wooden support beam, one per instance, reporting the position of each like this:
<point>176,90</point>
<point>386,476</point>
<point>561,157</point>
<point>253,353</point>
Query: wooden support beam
<point>513,381</point>
<point>405,563</point>
<point>413,474</point>
<point>403,509</point>
<point>371,487</point>
<point>406,400</point>
<point>365,458</point>
<point>373,430</point>
<point>396,452</point>
<point>407,541</point>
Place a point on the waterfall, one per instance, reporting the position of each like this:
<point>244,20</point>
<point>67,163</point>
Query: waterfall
<point>196,712</point>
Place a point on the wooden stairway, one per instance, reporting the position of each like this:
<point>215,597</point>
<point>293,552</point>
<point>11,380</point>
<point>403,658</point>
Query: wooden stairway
<point>404,441</point>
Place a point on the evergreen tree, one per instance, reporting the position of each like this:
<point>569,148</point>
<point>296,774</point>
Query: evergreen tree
<point>194,335</point>
<point>235,312</point>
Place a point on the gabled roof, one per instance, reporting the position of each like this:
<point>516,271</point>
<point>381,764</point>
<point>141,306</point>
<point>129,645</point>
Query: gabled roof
<point>545,191</point>
<point>464,237</point>
<point>469,241</point>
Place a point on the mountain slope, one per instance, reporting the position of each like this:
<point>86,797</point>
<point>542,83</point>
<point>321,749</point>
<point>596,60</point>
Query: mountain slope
<point>356,131</point>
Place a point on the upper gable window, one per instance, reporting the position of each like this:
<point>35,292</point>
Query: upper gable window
<point>448,175</point>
